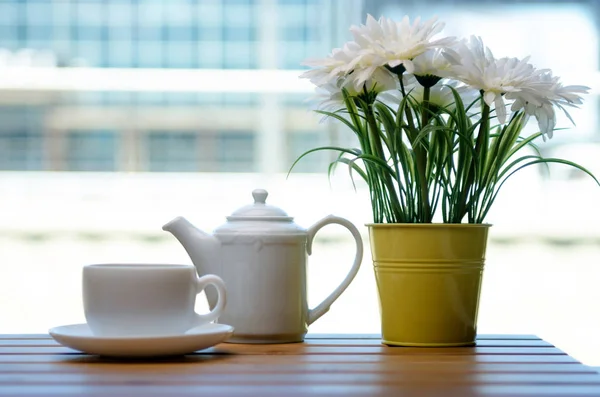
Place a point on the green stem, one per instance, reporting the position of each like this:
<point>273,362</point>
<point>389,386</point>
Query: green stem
<point>409,117</point>
<point>423,185</point>
<point>462,204</point>
<point>421,159</point>
<point>377,149</point>
<point>425,107</point>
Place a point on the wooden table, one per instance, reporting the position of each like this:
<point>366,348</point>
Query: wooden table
<point>331,365</point>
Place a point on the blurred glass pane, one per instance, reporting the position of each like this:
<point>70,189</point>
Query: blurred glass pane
<point>90,14</point>
<point>122,15</point>
<point>300,142</point>
<point>210,13</point>
<point>120,54</point>
<point>210,54</point>
<point>8,13</point>
<point>150,12</point>
<point>150,54</point>
<point>177,13</point>
<point>235,152</point>
<point>39,13</point>
<point>238,55</point>
<point>91,150</point>
<point>172,151</point>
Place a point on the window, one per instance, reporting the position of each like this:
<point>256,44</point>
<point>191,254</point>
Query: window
<point>172,151</point>
<point>209,33</point>
<point>175,99</point>
<point>20,150</point>
<point>118,98</point>
<point>300,142</point>
<point>178,13</point>
<point>210,54</point>
<point>150,54</point>
<point>91,151</point>
<point>149,33</point>
<point>210,13</point>
<point>150,98</point>
<point>180,54</point>
<point>8,13</point>
<point>121,54</point>
<point>232,33</point>
<point>20,138</point>
<point>90,52</point>
<point>235,152</point>
<point>238,56</point>
<point>239,16</point>
<point>120,15</point>
<point>90,14</point>
<point>150,13</point>
<point>292,54</point>
<point>39,33</point>
<point>295,33</point>
<point>83,32</point>
<point>178,33</point>
<point>119,33</point>
<point>38,13</point>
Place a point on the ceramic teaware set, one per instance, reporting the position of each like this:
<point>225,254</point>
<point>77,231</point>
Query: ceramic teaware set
<point>252,270</point>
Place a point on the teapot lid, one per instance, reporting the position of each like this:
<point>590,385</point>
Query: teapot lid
<point>260,210</point>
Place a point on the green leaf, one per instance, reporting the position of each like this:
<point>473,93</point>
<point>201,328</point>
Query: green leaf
<point>334,148</point>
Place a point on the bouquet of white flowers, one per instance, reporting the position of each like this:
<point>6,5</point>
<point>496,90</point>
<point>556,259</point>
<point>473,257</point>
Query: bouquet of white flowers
<point>439,121</point>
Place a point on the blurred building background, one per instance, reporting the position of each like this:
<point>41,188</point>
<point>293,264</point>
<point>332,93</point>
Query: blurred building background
<point>136,130</point>
<point>48,124</point>
<point>117,115</point>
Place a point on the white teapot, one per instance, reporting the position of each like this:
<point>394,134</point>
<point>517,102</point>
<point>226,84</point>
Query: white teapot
<point>261,254</point>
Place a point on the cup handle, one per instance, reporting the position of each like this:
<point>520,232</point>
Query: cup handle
<point>324,306</point>
<point>219,284</point>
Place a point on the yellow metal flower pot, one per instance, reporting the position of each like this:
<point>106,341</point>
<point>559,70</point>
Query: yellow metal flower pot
<point>429,281</point>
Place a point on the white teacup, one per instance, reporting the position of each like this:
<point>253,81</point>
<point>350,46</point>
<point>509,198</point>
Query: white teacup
<point>146,299</point>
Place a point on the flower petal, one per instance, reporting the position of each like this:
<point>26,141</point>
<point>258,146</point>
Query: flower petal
<point>500,109</point>
<point>489,97</point>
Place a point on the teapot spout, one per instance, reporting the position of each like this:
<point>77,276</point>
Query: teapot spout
<point>203,248</point>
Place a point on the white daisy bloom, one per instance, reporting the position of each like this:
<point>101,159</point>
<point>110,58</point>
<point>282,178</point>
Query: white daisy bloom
<point>542,95</point>
<point>330,98</point>
<point>475,65</point>
<point>389,43</point>
<point>439,95</point>
<point>380,80</point>
<point>442,96</point>
<point>340,62</point>
<point>432,63</point>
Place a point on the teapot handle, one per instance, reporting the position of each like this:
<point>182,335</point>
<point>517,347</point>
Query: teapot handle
<point>324,306</point>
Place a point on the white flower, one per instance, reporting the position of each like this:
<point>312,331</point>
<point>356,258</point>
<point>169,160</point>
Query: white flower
<point>380,80</point>
<point>439,95</point>
<point>389,43</point>
<point>442,96</point>
<point>363,66</point>
<point>340,62</point>
<point>330,98</point>
<point>541,96</point>
<point>432,63</point>
<point>475,65</point>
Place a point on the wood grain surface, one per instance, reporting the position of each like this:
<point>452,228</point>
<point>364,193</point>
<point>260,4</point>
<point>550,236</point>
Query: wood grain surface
<point>325,365</point>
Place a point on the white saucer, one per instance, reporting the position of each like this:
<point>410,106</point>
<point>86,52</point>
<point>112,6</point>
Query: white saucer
<point>80,337</point>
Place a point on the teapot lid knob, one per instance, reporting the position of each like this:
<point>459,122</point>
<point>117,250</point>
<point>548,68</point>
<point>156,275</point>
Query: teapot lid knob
<point>260,196</point>
<point>259,210</point>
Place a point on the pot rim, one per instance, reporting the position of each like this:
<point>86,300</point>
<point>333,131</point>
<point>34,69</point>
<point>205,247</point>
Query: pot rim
<point>430,225</point>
